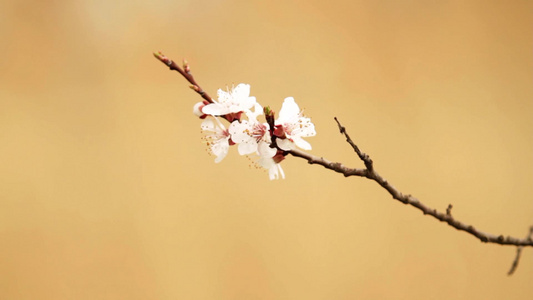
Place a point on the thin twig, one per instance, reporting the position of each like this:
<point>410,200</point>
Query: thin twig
<point>449,210</point>
<point>369,164</point>
<point>519,252</point>
<point>185,72</point>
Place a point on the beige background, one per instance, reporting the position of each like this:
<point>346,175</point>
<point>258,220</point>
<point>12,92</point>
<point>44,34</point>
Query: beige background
<point>106,190</point>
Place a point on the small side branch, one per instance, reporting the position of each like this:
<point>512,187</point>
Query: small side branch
<point>519,252</point>
<point>363,156</point>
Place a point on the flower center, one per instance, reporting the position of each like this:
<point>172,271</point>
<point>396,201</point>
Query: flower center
<point>258,132</point>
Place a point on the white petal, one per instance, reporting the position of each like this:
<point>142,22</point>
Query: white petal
<point>246,103</point>
<point>266,162</point>
<point>273,173</point>
<point>265,150</point>
<point>289,110</point>
<point>223,96</point>
<point>285,144</point>
<point>307,129</point>
<point>281,171</point>
<point>247,148</point>
<point>239,131</point>
<point>301,143</point>
<point>242,90</point>
<point>208,124</point>
<point>220,152</point>
<point>215,109</point>
<point>252,116</point>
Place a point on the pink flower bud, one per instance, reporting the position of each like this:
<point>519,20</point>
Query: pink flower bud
<point>197,110</point>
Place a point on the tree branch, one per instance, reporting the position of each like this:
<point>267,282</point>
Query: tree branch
<point>370,173</point>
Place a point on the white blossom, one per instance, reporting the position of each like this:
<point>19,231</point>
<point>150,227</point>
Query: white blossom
<point>292,127</point>
<point>274,169</point>
<point>234,101</point>
<point>218,140</point>
<point>250,134</point>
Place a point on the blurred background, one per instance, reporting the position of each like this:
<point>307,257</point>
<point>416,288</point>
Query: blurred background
<point>107,191</point>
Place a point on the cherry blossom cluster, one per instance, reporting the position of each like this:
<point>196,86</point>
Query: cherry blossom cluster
<point>269,141</point>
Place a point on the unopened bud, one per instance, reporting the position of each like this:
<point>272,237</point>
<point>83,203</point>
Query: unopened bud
<point>269,116</point>
<point>186,67</point>
<point>197,109</point>
<point>267,110</point>
<point>163,58</point>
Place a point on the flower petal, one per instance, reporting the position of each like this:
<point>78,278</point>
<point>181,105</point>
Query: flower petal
<point>285,144</point>
<point>289,111</point>
<point>265,150</point>
<point>215,109</point>
<point>301,143</point>
<point>208,124</point>
<point>220,150</point>
<point>246,148</point>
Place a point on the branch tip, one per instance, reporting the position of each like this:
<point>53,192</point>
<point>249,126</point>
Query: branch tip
<point>162,58</point>
<point>342,129</point>
<point>449,210</point>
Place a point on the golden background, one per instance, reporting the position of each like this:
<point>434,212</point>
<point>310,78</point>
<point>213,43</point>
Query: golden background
<point>107,192</point>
